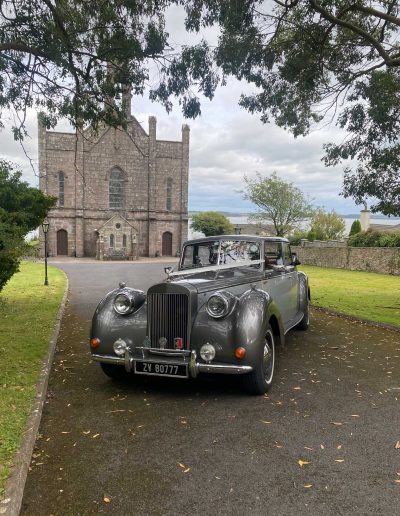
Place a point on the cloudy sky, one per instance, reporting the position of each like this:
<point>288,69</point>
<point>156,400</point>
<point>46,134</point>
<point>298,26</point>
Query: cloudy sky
<point>226,142</point>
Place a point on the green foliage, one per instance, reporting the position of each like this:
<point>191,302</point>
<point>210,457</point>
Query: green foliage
<point>326,226</point>
<point>73,58</point>
<point>278,202</point>
<point>375,239</point>
<point>27,314</point>
<point>303,58</point>
<point>296,237</point>
<point>355,227</point>
<point>306,59</point>
<point>22,209</point>
<point>211,223</point>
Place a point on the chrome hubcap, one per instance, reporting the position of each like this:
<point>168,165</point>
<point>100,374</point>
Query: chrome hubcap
<point>268,358</point>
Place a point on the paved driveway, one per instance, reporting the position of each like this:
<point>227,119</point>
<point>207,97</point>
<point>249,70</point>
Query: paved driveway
<point>322,442</point>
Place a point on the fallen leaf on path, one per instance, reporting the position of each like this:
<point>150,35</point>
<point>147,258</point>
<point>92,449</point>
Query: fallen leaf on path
<point>308,448</point>
<point>397,445</point>
<point>397,481</point>
<point>307,485</point>
<point>95,435</point>
<point>186,470</point>
<point>106,499</point>
<point>182,465</point>
<point>322,447</point>
<point>339,460</point>
<point>86,433</point>
<point>355,415</point>
<point>336,423</point>
<point>265,422</point>
<point>65,432</point>
<point>301,463</point>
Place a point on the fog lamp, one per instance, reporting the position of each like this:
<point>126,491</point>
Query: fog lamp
<point>240,352</point>
<point>119,347</point>
<point>207,352</point>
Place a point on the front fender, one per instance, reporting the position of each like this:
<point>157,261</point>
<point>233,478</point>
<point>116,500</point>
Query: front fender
<point>108,325</point>
<point>245,326</point>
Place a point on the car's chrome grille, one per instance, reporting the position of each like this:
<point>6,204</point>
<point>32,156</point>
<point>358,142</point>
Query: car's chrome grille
<point>168,319</point>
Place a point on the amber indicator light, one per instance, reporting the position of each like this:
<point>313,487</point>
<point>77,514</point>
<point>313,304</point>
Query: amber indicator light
<point>240,352</point>
<point>94,343</point>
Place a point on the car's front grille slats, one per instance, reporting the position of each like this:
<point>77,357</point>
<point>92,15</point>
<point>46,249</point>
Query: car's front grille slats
<point>168,317</point>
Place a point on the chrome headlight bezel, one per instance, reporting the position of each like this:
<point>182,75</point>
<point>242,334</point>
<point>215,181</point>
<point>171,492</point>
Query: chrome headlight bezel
<point>123,299</point>
<point>225,303</point>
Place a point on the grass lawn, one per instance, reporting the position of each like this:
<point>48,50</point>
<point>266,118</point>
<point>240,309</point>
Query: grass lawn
<point>27,314</point>
<point>372,296</point>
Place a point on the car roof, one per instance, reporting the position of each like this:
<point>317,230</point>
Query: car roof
<point>253,238</point>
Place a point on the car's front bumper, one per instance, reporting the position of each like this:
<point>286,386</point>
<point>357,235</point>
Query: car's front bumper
<point>184,357</point>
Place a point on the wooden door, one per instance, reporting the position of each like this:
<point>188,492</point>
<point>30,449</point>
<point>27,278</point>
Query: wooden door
<point>62,242</point>
<point>167,244</point>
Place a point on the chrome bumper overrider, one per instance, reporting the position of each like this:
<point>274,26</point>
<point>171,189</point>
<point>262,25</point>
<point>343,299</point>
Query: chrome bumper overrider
<point>187,357</point>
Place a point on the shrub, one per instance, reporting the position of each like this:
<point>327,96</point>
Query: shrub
<point>375,239</point>
<point>296,236</point>
<point>355,228</point>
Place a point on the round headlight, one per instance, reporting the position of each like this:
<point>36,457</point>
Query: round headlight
<point>207,352</point>
<point>217,306</point>
<point>123,304</point>
<point>119,347</point>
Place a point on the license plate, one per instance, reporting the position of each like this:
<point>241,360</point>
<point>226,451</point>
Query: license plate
<point>161,369</point>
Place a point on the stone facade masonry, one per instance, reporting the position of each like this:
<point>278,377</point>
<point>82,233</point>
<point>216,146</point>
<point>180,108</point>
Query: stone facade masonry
<point>374,259</point>
<point>150,169</point>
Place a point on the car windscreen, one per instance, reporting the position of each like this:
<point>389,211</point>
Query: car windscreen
<point>219,252</point>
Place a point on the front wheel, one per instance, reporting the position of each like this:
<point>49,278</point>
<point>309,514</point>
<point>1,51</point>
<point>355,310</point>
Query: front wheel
<point>260,380</point>
<point>116,372</point>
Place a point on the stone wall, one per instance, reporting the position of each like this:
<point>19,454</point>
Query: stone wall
<point>374,259</point>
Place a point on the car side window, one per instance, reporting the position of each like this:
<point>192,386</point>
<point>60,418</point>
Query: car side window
<point>273,254</point>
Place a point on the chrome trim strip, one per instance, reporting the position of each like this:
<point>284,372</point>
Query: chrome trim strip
<point>194,366</point>
<point>224,369</point>
<point>109,359</point>
<point>165,352</point>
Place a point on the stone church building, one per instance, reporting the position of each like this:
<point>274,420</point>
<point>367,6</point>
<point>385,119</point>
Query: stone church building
<point>121,194</point>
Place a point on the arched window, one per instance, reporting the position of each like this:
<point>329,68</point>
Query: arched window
<point>111,240</point>
<point>116,189</point>
<point>124,241</point>
<point>61,181</point>
<point>168,204</point>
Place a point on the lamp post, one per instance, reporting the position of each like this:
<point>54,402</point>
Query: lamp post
<point>45,227</point>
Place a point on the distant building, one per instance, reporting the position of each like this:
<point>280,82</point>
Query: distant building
<point>365,221</point>
<point>121,194</point>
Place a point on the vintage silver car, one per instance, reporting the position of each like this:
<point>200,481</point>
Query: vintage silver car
<point>222,309</point>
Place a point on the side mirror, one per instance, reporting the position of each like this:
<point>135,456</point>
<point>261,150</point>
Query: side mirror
<point>168,270</point>
<point>295,260</point>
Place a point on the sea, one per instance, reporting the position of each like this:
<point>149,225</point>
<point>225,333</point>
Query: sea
<point>348,220</point>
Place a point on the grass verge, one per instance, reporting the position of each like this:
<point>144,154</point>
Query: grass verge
<point>368,295</point>
<point>27,313</point>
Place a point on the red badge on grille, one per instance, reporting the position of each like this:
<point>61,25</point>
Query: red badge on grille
<point>178,341</point>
